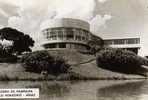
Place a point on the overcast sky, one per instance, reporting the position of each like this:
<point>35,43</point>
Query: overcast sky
<point>106,17</point>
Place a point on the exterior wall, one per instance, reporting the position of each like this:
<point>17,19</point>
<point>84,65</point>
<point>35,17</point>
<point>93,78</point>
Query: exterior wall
<point>74,33</point>
<point>66,46</point>
<point>65,22</point>
<point>62,34</point>
<point>132,44</point>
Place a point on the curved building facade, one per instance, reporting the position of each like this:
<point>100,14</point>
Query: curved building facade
<point>66,33</point>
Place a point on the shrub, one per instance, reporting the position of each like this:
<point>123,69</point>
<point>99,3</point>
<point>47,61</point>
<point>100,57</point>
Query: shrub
<point>42,61</point>
<point>119,60</point>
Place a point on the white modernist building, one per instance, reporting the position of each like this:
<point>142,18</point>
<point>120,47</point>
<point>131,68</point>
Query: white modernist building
<point>66,33</point>
<point>128,43</point>
<point>74,34</point>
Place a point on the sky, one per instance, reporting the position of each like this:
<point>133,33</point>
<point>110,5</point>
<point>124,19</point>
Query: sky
<point>107,18</point>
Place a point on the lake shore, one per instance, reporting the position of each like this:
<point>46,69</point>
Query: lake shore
<point>83,67</point>
<point>16,72</point>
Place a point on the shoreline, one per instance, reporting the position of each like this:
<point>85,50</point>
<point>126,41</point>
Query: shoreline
<point>76,79</point>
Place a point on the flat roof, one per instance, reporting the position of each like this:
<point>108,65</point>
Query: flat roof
<point>108,36</point>
<point>65,22</point>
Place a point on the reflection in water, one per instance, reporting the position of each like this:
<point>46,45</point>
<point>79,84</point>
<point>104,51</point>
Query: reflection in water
<point>85,90</point>
<point>52,89</point>
<point>123,91</point>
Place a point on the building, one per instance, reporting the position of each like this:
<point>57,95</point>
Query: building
<point>132,44</point>
<point>66,33</point>
<point>74,34</point>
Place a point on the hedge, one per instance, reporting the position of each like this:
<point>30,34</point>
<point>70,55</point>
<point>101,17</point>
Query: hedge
<point>120,60</point>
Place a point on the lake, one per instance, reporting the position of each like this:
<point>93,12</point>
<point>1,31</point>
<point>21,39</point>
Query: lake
<point>86,90</point>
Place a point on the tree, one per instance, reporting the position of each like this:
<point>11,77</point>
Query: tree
<point>21,41</point>
<point>95,44</point>
<point>10,34</point>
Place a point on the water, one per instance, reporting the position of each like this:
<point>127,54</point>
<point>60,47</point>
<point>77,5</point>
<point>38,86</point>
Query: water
<point>86,90</point>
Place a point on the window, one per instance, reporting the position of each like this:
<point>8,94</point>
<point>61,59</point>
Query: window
<point>123,41</point>
<point>48,35</point>
<point>119,41</point>
<point>60,35</point>
<point>50,46</point>
<point>78,37</point>
<point>109,42</point>
<point>133,41</point>
<point>83,35</point>
<point>62,45</point>
<point>87,35</point>
<point>69,34</point>
<point>53,35</point>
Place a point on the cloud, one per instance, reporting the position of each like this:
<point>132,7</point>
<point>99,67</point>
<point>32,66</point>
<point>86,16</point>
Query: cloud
<point>31,14</point>
<point>3,13</point>
<point>7,9</point>
<point>1,26</point>
<point>99,21</point>
<point>102,1</point>
<point>77,9</point>
<point>14,2</point>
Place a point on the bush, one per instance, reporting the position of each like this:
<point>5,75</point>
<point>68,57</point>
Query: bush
<point>120,60</point>
<point>42,61</point>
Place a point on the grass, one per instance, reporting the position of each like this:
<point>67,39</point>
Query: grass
<point>83,67</point>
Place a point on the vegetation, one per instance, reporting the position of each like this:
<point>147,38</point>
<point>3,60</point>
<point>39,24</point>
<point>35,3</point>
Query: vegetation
<point>96,43</point>
<point>40,61</point>
<point>21,41</point>
<point>5,56</point>
<point>119,60</point>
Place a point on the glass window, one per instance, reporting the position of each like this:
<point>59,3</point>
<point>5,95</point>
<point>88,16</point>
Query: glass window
<point>60,35</point>
<point>109,42</point>
<point>123,41</point>
<point>50,46</point>
<point>69,34</point>
<point>131,41</point>
<point>78,37</point>
<point>120,41</point>
<point>48,35</point>
<point>62,45</point>
<point>83,38</point>
<point>83,35</point>
<point>53,35</point>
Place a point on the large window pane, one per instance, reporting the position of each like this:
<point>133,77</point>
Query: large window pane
<point>50,46</point>
<point>62,45</point>
<point>69,34</point>
<point>60,35</point>
<point>53,35</point>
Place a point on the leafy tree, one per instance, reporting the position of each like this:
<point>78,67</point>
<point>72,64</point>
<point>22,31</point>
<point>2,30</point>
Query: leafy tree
<point>10,34</point>
<point>95,44</point>
<point>21,41</point>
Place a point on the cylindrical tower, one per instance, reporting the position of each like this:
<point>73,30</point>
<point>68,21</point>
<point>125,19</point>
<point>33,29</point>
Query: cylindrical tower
<point>66,33</point>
